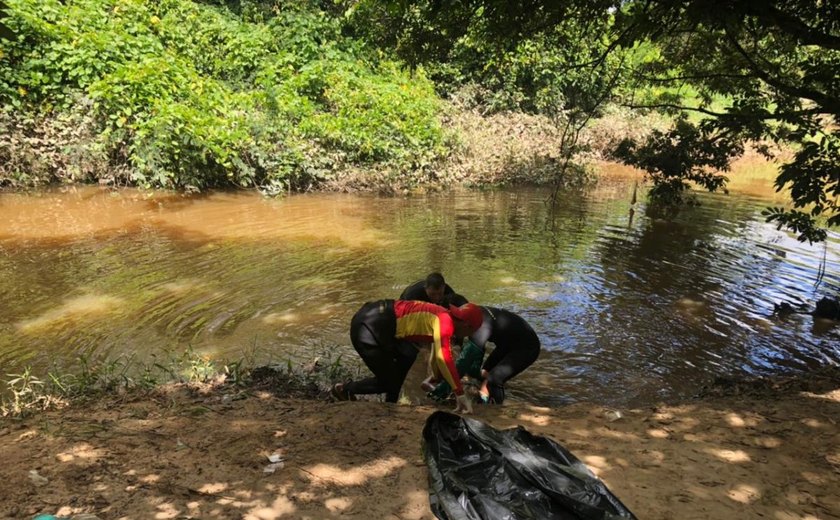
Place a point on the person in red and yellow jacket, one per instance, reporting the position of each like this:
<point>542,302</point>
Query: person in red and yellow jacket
<point>386,333</point>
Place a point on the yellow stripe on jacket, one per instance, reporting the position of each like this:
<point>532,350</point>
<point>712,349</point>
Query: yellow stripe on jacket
<point>429,323</point>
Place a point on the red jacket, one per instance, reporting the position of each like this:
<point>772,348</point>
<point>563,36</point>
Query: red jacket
<point>425,322</point>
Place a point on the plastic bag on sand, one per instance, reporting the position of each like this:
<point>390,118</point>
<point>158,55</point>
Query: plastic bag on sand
<point>477,472</point>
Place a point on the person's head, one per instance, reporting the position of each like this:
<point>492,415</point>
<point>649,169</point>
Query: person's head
<point>435,287</point>
<point>467,319</point>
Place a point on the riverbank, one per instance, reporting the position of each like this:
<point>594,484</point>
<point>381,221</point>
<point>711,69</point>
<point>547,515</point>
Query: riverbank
<point>297,98</point>
<point>768,450</point>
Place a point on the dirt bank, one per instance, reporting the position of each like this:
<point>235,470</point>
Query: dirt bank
<point>773,454</point>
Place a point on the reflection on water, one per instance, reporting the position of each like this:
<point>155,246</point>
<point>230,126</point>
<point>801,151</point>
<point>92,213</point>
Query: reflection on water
<point>87,212</point>
<point>628,312</point>
<point>88,306</point>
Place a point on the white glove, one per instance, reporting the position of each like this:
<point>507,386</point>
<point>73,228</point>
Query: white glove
<point>464,404</point>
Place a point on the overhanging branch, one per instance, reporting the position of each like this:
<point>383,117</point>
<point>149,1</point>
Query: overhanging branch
<point>655,79</point>
<point>746,115</point>
<point>796,27</point>
<point>830,104</point>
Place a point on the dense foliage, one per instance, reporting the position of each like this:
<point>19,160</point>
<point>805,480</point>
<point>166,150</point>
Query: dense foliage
<point>490,55</point>
<point>175,93</point>
<point>754,71</point>
<point>469,43</point>
<point>282,95</point>
<point>778,63</point>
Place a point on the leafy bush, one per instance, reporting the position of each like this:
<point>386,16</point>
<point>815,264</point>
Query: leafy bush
<point>187,95</point>
<point>35,149</point>
<point>374,116</point>
<point>62,48</point>
<point>176,128</point>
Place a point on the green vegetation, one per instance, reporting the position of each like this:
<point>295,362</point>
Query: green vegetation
<point>757,73</point>
<point>178,94</point>
<point>292,95</point>
<point>24,393</point>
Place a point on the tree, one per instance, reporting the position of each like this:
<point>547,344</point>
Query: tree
<point>775,65</point>
<point>546,58</point>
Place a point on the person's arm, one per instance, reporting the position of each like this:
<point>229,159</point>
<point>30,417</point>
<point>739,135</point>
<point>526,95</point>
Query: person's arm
<point>444,365</point>
<point>415,291</point>
<point>493,359</point>
<point>455,299</point>
<point>482,335</point>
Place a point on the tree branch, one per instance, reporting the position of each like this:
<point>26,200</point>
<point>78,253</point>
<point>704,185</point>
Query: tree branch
<point>747,115</point>
<point>792,25</point>
<point>654,79</point>
<point>830,104</point>
<point>613,45</point>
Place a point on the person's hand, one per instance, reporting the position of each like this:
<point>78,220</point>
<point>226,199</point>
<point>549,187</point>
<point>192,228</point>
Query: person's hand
<point>464,404</point>
<point>429,384</point>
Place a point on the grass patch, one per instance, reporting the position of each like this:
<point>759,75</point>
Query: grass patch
<point>26,393</point>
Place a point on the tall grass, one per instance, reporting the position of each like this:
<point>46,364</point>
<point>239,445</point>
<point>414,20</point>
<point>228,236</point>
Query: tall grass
<point>26,393</point>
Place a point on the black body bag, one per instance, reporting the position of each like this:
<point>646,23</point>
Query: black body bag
<point>477,472</point>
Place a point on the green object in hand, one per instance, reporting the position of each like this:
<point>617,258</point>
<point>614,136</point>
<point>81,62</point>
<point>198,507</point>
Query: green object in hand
<point>467,364</point>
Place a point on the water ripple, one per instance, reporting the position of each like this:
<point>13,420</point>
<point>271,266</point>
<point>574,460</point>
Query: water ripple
<point>628,310</point>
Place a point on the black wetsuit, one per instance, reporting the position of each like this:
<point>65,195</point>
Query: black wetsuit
<point>372,331</point>
<point>517,347</point>
<point>417,291</point>
<point>384,334</point>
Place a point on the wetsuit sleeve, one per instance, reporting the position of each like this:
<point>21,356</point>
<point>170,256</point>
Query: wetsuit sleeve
<point>482,335</point>
<point>415,291</point>
<point>456,299</point>
<point>444,362</point>
<point>493,359</point>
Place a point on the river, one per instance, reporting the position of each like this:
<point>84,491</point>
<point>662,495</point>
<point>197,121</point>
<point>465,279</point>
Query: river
<point>629,310</point>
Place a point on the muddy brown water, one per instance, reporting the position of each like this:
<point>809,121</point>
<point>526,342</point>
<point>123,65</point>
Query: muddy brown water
<point>628,310</point>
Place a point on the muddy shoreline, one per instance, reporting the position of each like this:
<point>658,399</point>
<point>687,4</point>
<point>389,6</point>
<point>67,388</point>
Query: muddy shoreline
<point>768,449</point>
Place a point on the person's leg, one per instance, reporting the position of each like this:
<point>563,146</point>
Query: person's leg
<point>380,361</point>
<point>368,330</point>
<point>510,365</point>
<point>405,354</point>
<point>390,367</point>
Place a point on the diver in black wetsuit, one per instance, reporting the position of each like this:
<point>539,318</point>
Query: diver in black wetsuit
<point>383,333</point>
<point>433,289</point>
<point>517,347</point>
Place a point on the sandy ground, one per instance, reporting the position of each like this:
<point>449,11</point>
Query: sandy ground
<point>183,454</point>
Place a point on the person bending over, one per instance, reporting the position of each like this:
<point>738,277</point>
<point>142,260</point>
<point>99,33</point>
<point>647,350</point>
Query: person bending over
<point>517,347</point>
<point>433,289</point>
<point>385,333</point>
